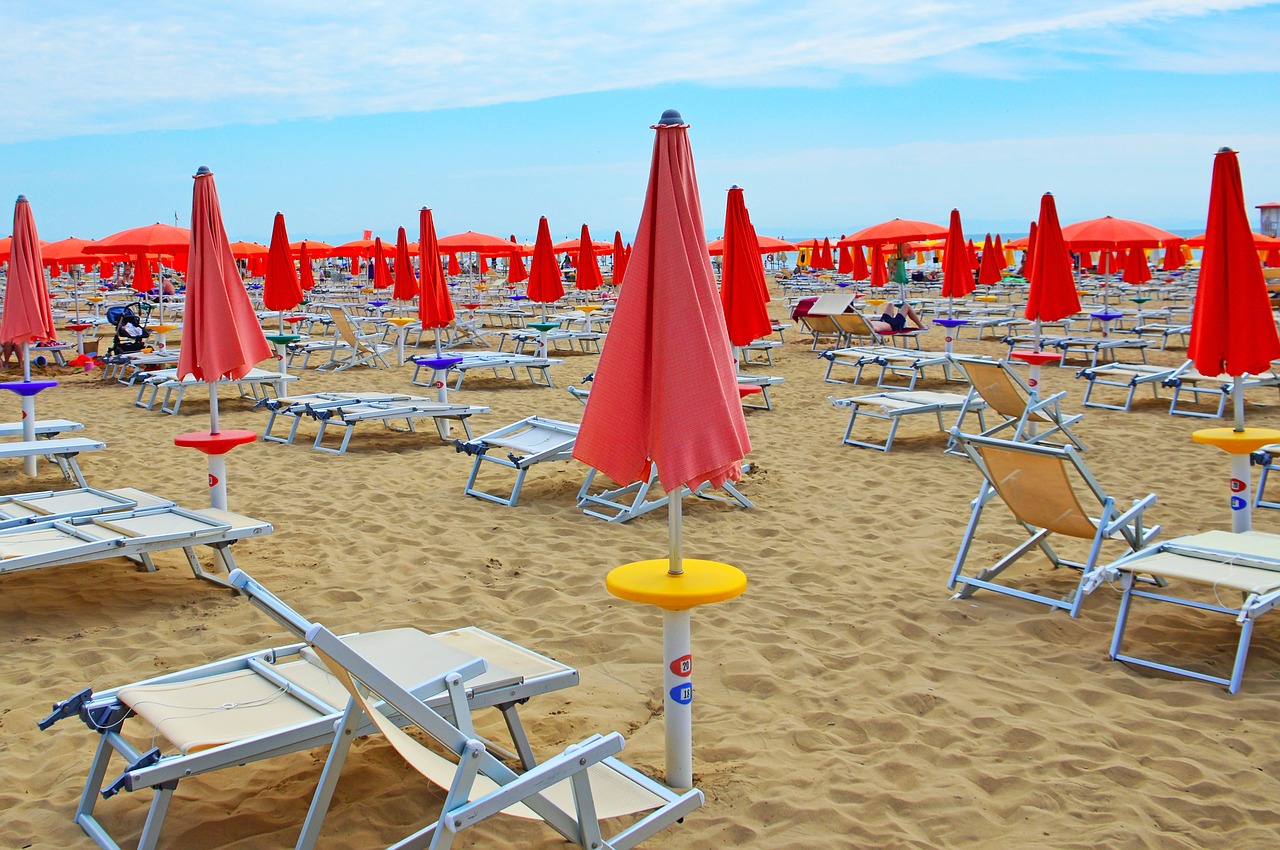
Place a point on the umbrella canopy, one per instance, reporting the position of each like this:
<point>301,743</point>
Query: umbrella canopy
<point>1260,241</point>
<point>281,289</point>
<point>589,276</point>
<point>1173,259</point>
<point>1110,233</point>
<point>1136,271</point>
<point>619,258</point>
<point>545,285</point>
<point>406,285</point>
<point>665,390</point>
<point>992,263</point>
<point>1232,328</point>
<point>67,251</point>
<point>743,294</point>
<point>895,232</point>
<point>860,269</point>
<point>879,273</point>
<point>573,247</point>
<point>957,272</point>
<point>249,250</point>
<point>305,276</point>
<point>355,248</point>
<point>150,239</point>
<point>1052,294</point>
<point>381,274</point>
<point>5,245</point>
<point>315,248</point>
<point>765,244</point>
<point>27,315</point>
<point>435,307</point>
<point>221,337</point>
<point>480,243</point>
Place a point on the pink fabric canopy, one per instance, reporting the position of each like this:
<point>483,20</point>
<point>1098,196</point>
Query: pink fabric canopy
<point>27,315</point>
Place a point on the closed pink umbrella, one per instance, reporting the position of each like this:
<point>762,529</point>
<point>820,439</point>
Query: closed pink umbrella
<point>665,393</point>
<point>221,338</point>
<point>27,316</point>
<point>589,276</point>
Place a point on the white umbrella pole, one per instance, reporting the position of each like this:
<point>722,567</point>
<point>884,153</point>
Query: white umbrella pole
<point>1237,401</point>
<point>677,662</point>
<point>28,412</point>
<point>1241,474</point>
<point>217,462</point>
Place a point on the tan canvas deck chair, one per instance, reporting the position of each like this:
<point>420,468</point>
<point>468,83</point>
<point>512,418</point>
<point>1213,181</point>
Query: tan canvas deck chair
<point>570,792</point>
<point>277,701</point>
<point>1026,417</point>
<point>857,326</point>
<point>359,349</point>
<point>1220,563</point>
<point>892,407</point>
<point>1035,483</point>
<point>820,320</point>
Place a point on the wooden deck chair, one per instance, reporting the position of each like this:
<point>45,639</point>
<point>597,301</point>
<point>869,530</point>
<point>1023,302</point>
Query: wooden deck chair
<point>1035,482</point>
<point>893,407</point>
<point>532,440</point>
<point>1025,416</point>
<point>1224,562</point>
<point>362,349</point>
<point>1127,376</point>
<point>570,792</point>
<point>281,700</point>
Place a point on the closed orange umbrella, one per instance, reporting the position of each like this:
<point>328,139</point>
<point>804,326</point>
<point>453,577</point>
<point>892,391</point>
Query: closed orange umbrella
<point>860,269</point>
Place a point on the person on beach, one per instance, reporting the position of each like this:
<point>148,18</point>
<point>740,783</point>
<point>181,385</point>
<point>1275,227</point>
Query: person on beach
<point>894,320</point>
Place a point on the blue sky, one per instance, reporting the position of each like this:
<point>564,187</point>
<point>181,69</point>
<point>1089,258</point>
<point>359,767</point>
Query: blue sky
<point>832,115</point>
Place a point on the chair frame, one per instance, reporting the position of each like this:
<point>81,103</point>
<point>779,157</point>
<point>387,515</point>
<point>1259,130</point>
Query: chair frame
<point>1034,410</point>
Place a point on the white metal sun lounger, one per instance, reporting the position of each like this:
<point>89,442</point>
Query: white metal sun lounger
<point>494,360</point>
<point>892,407</point>
<point>43,427</point>
<point>347,416</point>
<point>61,451</point>
<point>532,440</point>
<point>45,505</point>
<point>280,701</point>
<point>1185,379</point>
<point>295,407</point>
<point>129,534</point>
<point>1127,376</point>
<point>253,385</point>
<point>892,360</point>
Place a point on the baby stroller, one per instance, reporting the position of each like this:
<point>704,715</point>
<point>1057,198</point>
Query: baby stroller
<point>131,329</point>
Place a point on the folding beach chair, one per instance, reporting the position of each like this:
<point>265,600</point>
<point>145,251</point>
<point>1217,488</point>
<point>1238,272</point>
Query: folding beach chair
<point>820,320</point>
<point>347,415</point>
<point>1023,412</point>
<point>856,325</point>
<point>892,407</point>
<point>359,348</point>
<point>622,504</point>
<point>751,385</point>
<point>283,700</point>
<point>532,440</point>
<point>1099,348</point>
<point>1247,563</point>
<point>570,792</point>
<point>257,384</point>
<point>1127,376</point>
<point>1035,482</point>
<point>134,534</point>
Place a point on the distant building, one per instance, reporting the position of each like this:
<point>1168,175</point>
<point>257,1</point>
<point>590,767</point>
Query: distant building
<point>1269,219</point>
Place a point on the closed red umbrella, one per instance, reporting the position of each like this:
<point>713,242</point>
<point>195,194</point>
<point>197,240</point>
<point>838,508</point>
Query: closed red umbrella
<point>879,274</point>
<point>1000,254</point>
<point>665,393</point>
<point>306,277</point>
<point>142,281</point>
<point>454,268</point>
<point>1173,259</point>
<point>1136,270</point>
<point>221,338</point>
<point>845,265</point>
<point>1029,252</point>
<point>619,258</point>
<point>516,272</point>
<point>588,277</point>
<point>860,269</point>
<point>435,307</point>
<point>992,262</point>
<point>545,284</point>
<point>406,285</point>
<point>381,274</point>
<point>743,294</point>
<point>1052,294</point>
<point>957,271</point>
<point>27,315</point>
<point>281,289</point>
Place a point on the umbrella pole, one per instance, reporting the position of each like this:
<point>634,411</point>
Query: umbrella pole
<point>1241,474</point>
<point>28,412</point>
<point>217,462</point>
<point>677,666</point>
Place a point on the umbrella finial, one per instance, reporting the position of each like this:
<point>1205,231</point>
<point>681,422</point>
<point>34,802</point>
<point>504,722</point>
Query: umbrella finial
<point>22,199</point>
<point>670,118</point>
<point>734,186</point>
<point>1225,149</point>
<point>203,171</point>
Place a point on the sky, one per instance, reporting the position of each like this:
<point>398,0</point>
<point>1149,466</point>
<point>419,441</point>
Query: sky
<point>832,115</point>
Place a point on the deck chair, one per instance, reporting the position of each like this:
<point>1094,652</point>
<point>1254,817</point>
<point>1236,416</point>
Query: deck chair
<point>1127,376</point>
<point>1035,483</point>
<point>347,416</point>
<point>134,534</point>
<point>43,428</point>
<point>1022,412</point>
<point>256,384</point>
<point>853,325</point>
<point>360,348</point>
<point>1247,563</point>
<point>751,385</point>
<point>295,408</point>
<point>532,440</point>
<point>570,792</point>
<point>820,320</point>
<point>622,504</point>
<point>893,407</point>
<point>1099,348</point>
<point>1186,379</point>
<point>61,451</point>
<point>278,701</point>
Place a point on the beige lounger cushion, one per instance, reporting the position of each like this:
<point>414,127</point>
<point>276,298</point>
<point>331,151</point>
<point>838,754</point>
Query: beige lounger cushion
<point>1221,574</point>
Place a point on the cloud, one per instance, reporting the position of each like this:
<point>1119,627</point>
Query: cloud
<point>82,68</point>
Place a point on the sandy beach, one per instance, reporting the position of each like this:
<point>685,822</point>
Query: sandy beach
<point>844,701</point>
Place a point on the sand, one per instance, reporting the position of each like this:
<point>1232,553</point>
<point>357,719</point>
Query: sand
<point>844,701</point>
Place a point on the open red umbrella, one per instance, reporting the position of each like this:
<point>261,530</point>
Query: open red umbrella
<point>743,294</point>
<point>619,258</point>
<point>665,393</point>
<point>478,243</point>
<point>306,277</point>
<point>381,274</point>
<point>588,276</point>
<point>150,239</point>
<point>1110,233</point>
<point>248,250</point>
<point>221,338</point>
<point>315,248</point>
<point>957,270</point>
<point>899,231</point>
<point>545,284</point>
<point>27,315</point>
<point>281,289</point>
<point>766,245</point>
<point>992,262</point>
<point>406,285</point>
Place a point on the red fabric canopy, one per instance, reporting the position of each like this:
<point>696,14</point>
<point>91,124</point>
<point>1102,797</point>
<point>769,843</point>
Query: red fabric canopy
<point>1136,270</point>
<point>619,258</point>
<point>1111,233</point>
<point>895,232</point>
<point>221,337</point>
<point>767,245</point>
<point>151,239</point>
<point>435,307</point>
<point>281,289</point>
<point>1052,294</point>
<point>142,281</point>
<point>315,248</point>
<point>992,263</point>
<point>957,273</point>
<point>306,277</point>
<point>665,389</point>
<point>545,284</point>
<point>743,294</point>
<point>589,276</point>
<point>27,315</point>
<point>481,243</point>
<point>406,285</point>
<point>1232,328</point>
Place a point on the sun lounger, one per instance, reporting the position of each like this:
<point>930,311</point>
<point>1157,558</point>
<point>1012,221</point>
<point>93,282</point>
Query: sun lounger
<point>495,360</point>
<point>1099,348</point>
<point>820,319</point>
<point>571,792</point>
<point>890,359</point>
<point>1035,483</point>
<point>128,369</point>
<point>43,427</point>
<point>135,534</point>
<point>521,339</point>
<point>61,451</point>
<point>350,414</point>
<point>1127,376</point>
<point>751,385</point>
<point>1186,379</point>
<point>1165,330</point>
<point>532,440</point>
<point>253,385</point>
<point>296,407</point>
<point>892,407</point>
<point>1023,413</point>
<point>1222,563</point>
<point>857,325</point>
<point>279,701</point>
<point>1265,457</point>
<point>45,505</point>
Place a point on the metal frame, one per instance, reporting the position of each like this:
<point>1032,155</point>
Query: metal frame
<point>532,440</point>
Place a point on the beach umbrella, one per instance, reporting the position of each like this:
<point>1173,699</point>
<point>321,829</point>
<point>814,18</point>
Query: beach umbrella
<point>898,231</point>
<point>516,272</point>
<point>149,239</point>
<point>221,338</point>
<point>1272,259</point>
<point>765,244</point>
<point>27,315</point>
<point>545,284</point>
<point>248,250</point>
<point>1111,233</point>
<point>665,393</point>
<point>1233,330</point>
<point>1028,252</point>
<point>860,269</point>
<point>476,243</point>
<point>381,274</point>
<point>1136,271</point>
<point>1052,292</point>
<point>619,258</point>
<point>406,285</point>
<point>281,289</point>
<point>1173,259</point>
<point>315,248</point>
<point>5,244</point>
<point>68,251</point>
<point>435,307</point>
<point>306,277</point>
<point>142,281</point>
<point>588,277</point>
<point>957,266</point>
<point>572,247</point>
<point>879,274</point>
<point>1003,256</point>
<point>743,293</point>
<point>992,262</point>
<point>845,265</point>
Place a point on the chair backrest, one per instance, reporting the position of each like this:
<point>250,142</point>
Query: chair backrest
<point>999,386</point>
<point>1034,483</point>
<point>857,324</point>
<point>342,324</point>
<point>831,303</point>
